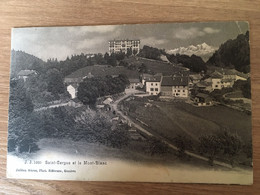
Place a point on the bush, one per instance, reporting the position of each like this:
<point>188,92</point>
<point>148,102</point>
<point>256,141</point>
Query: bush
<point>183,144</point>
<point>156,146</point>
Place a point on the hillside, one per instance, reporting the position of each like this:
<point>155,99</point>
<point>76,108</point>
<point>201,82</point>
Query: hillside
<point>193,62</point>
<point>152,66</point>
<point>102,71</point>
<point>21,61</point>
<point>233,53</point>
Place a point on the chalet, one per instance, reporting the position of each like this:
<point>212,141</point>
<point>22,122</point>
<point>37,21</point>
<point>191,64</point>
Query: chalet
<point>72,89</point>
<point>203,86</point>
<point>134,82</point>
<point>175,86</point>
<point>216,80</point>
<point>145,77</point>
<point>226,78</point>
<point>153,85</point>
<point>180,87</point>
<point>166,86</point>
<point>25,74</point>
<point>195,78</point>
<point>202,99</point>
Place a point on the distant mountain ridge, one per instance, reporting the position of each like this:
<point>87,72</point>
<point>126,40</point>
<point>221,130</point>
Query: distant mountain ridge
<point>203,50</point>
<point>233,53</point>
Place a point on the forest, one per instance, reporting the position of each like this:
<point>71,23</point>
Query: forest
<point>233,54</point>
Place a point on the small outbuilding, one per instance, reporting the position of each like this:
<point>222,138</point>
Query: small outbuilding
<point>202,99</point>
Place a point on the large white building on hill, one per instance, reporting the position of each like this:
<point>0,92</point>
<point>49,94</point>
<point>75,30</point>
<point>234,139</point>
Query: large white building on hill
<point>117,46</point>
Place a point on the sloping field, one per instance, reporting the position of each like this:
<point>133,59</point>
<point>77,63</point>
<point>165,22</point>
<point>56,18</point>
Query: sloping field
<point>170,119</point>
<point>155,66</point>
<point>102,71</point>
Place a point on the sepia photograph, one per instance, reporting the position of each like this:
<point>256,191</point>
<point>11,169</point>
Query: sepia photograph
<point>163,102</point>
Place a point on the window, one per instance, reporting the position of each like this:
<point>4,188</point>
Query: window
<point>155,84</point>
<point>151,93</point>
<point>216,85</point>
<point>151,84</point>
<point>183,90</point>
<point>179,90</point>
<point>152,89</point>
<point>156,89</point>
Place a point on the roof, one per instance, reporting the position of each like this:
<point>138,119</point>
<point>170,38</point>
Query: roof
<point>180,81</point>
<point>119,40</point>
<point>153,79</point>
<point>26,72</point>
<point>203,95</point>
<point>175,81</point>
<point>226,80</point>
<point>216,75</point>
<point>195,76</point>
<point>134,80</point>
<point>234,72</point>
<point>107,101</point>
<point>167,81</point>
<point>203,84</point>
<point>181,73</point>
<point>73,85</point>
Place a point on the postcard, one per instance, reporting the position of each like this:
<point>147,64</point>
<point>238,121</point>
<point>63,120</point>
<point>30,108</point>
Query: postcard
<point>164,102</point>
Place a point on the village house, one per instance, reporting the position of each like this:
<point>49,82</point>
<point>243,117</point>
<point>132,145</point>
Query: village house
<point>153,85</point>
<point>25,74</point>
<point>134,83</point>
<point>195,78</point>
<point>202,99</point>
<point>203,86</point>
<point>72,89</point>
<point>145,77</point>
<point>225,78</point>
<point>175,86</point>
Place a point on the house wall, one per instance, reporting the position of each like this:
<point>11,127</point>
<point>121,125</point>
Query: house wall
<point>72,91</point>
<point>216,83</point>
<point>153,88</point>
<point>180,91</point>
<point>122,46</point>
<point>166,90</point>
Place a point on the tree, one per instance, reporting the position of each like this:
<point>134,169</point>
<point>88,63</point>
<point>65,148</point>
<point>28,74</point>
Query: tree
<point>210,146</point>
<point>233,53</point>
<point>183,144</point>
<point>106,56</point>
<point>55,82</point>
<point>194,63</point>
<point>119,137</point>
<point>129,52</point>
<point>112,60</point>
<point>157,146</point>
<point>92,88</point>
<point>20,103</point>
<point>150,53</point>
<point>143,68</point>
<point>231,145</point>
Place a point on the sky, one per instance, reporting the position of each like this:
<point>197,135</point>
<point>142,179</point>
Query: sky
<point>60,42</point>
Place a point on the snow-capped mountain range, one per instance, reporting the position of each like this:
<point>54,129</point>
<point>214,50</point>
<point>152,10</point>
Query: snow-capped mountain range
<point>203,50</point>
